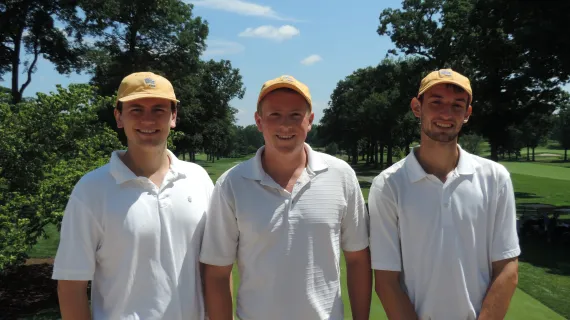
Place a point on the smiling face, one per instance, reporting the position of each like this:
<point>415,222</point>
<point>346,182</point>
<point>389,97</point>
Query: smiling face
<point>147,122</point>
<point>443,111</point>
<point>284,121</point>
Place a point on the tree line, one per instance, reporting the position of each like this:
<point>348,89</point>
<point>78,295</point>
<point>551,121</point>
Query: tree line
<point>512,51</point>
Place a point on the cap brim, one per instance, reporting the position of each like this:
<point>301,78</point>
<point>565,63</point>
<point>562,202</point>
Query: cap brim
<point>445,81</point>
<point>146,95</point>
<point>280,86</point>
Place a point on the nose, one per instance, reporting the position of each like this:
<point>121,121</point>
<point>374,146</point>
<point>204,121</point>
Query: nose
<point>147,117</point>
<point>446,111</point>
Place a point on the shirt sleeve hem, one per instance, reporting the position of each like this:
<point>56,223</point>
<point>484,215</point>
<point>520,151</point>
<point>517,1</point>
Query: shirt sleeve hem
<point>386,267</point>
<point>221,262</point>
<point>355,247</point>
<point>507,254</point>
<point>71,275</point>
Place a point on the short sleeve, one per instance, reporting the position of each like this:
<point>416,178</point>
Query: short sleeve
<point>355,223</point>
<point>384,231</point>
<point>79,241</point>
<point>505,242</point>
<point>221,234</point>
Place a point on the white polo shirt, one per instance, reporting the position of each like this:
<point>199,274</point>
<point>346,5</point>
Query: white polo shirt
<point>137,242</point>
<point>287,245</point>
<point>443,237</point>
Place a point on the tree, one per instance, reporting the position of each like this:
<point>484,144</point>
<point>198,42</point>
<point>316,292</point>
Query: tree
<point>148,35</point>
<point>477,38</point>
<point>28,27</point>
<point>563,129</point>
<point>535,130</point>
<point>47,144</point>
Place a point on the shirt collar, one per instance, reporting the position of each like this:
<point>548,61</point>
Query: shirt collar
<point>465,166</point>
<point>122,173</point>
<point>254,169</point>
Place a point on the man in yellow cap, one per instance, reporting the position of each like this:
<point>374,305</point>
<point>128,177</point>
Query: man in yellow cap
<point>443,241</point>
<point>285,215</point>
<point>133,226</point>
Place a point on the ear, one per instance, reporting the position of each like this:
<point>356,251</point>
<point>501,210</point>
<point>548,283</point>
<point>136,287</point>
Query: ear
<point>311,119</point>
<point>173,118</point>
<point>118,118</point>
<point>257,117</point>
<point>415,105</point>
<point>468,114</point>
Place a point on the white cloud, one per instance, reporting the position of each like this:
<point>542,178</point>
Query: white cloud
<point>312,59</point>
<point>222,47</point>
<point>285,32</point>
<point>239,7</point>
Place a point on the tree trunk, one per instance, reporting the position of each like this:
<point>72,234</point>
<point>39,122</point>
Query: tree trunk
<point>528,153</point>
<point>533,154</point>
<point>389,155</point>
<point>375,154</point>
<point>494,150</point>
<point>381,155</point>
<point>355,153</point>
<point>565,154</point>
<point>16,96</point>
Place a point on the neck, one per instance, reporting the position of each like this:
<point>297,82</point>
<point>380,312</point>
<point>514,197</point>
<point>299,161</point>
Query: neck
<point>277,165</point>
<point>146,163</point>
<point>437,158</point>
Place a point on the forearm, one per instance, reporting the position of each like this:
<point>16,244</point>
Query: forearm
<point>359,281</point>
<point>74,305</point>
<point>499,294</point>
<point>218,299</point>
<point>395,301</point>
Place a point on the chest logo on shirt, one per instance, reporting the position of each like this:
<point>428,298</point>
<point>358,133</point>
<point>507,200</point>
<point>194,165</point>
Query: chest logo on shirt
<point>189,199</point>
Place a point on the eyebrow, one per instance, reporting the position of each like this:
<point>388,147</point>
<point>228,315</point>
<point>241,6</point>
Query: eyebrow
<point>441,97</point>
<point>141,106</point>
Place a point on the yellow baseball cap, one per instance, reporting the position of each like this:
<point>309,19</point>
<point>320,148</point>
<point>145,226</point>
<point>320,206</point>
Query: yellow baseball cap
<point>445,76</point>
<point>286,81</point>
<point>140,85</point>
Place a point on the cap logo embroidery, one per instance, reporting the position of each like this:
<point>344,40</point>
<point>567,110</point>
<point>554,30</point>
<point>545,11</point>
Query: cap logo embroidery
<point>287,78</point>
<point>150,82</point>
<point>444,73</point>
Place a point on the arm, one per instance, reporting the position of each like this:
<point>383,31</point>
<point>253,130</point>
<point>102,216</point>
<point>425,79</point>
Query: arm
<point>355,242</point>
<point>218,253</point>
<point>504,252</point>
<point>395,301</point>
<point>218,293</point>
<point>501,290</point>
<point>73,302</point>
<point>359,281</point>
<point>386,252</point>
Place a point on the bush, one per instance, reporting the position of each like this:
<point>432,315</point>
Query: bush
<point>47,144</point>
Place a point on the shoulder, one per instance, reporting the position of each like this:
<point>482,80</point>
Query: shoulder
<point>193,171</point>
<point>394,174</point>
<point>237,172</point>
<point>489,169</point>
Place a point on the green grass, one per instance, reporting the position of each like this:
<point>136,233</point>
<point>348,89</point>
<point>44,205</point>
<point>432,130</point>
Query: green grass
<point>540,287</point>
<point>538,170</point>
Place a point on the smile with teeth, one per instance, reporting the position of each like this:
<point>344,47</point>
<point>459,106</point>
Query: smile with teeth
<point>147,131</point>
<point>284,137</point>
<point>443,125</point>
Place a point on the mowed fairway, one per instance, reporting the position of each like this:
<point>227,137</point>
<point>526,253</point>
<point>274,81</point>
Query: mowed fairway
<point>523,305</point>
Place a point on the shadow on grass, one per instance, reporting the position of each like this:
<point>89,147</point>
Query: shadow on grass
<point>364,184</point>
<point>526,195</point>
<point>554,258</point>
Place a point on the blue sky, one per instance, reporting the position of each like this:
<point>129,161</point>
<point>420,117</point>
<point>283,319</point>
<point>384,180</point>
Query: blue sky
<point>267,38</point>
<point>317,41</point>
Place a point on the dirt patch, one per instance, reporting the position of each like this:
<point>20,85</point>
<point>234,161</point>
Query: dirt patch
<point>28,289</point>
